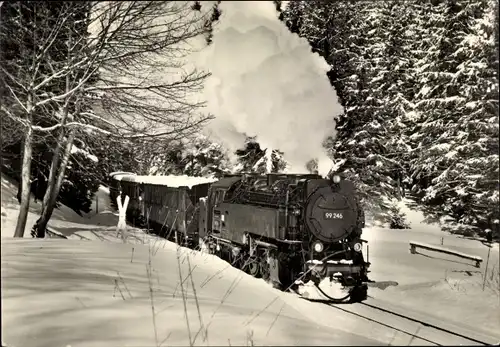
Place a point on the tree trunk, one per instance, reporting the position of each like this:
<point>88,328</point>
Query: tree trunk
<point>53,190</point>
<point>57,151</point>
<point>55,161</point>
<point>25,176</point>
<point>20,183</point>
<point>19,189</point>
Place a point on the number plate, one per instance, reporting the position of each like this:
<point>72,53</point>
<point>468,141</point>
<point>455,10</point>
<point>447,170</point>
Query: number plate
<point>333,215</point>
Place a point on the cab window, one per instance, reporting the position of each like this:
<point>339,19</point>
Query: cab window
<point>219,197</point>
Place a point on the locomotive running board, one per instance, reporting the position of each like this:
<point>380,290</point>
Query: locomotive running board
<point>291,242</point>
<point>220,239</point>
<point>229,242</point>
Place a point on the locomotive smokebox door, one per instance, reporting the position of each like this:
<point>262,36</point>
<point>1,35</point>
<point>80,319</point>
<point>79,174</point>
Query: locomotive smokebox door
<point>331,213</point>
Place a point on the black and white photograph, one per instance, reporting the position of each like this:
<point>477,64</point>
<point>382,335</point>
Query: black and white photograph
<point>250,173</point>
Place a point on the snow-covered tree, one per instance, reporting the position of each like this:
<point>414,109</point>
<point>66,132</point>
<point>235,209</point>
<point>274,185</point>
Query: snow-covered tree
<point>252,158</point>
<point>197,156</point>
<point>354,38</point>
<point>204,158</point>
<point>209,22</point>
<point>292,16</point>
<point>271,161</point>
<point>395,218</point>
<point>455,158</point>
<point>113,57</point>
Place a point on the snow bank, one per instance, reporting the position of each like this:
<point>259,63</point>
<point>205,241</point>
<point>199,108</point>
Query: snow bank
<point>170,180</point>
<point>435,284</point>
<point>266,82</point>
<point>105,294</point>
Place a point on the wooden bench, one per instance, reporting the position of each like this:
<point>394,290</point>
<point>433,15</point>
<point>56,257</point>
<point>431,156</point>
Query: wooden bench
<point>414,245</point>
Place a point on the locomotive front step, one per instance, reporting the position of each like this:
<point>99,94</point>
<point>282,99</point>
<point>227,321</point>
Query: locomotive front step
<point>331,268</point>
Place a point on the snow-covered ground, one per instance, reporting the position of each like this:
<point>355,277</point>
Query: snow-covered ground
<point>444,286</point>
<point>73,292</point>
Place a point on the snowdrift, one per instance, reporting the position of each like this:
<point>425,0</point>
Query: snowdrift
<point>78,293</point>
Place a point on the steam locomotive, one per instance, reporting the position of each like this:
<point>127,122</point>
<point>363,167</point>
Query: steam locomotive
<point>286,228</point>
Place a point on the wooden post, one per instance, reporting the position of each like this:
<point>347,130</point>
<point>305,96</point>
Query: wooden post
<point>486,269</point>
<point>97,204</point>
<point>202,221</point>
<point>181,216</point>
<point>122,213</point>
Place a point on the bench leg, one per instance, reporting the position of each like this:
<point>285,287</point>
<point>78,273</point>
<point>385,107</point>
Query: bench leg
<point>478,264</point>
<point>412,249</point>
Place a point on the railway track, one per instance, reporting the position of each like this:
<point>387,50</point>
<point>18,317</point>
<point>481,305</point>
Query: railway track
<point>479,341</point>
<point>410,330</point>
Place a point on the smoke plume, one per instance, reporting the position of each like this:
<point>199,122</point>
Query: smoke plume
<point>267,83</point>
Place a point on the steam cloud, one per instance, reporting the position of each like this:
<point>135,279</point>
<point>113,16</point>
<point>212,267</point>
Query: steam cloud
<point>266,82</point>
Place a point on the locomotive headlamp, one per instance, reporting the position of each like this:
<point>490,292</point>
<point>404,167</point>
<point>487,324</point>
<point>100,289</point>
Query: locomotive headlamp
<point>318,247</point>
<point>358,247</point>
<point>336,179</point>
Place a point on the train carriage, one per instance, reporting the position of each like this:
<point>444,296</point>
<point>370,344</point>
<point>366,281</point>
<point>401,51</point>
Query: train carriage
<point>162,205</point>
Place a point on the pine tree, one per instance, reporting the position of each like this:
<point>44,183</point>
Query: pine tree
<point>209,22</point>
<point>252,158</point>
<point>249,155</point>
<point>271,161</point>
<point>455,160</point>
<point>355,38</point>
<point>293,14</point>
<point>395,218</point>
<point>204,158</point>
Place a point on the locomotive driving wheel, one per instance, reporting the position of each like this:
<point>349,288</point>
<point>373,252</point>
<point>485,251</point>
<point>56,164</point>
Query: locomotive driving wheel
<point>252,267</point>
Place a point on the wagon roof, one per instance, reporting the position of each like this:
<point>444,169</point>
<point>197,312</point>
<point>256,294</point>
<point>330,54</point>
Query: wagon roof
<point>169,181</point>
<point>226,182</point>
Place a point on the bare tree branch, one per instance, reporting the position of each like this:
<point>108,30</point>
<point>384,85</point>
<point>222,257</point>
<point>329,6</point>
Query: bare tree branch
<point>125,74</point>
